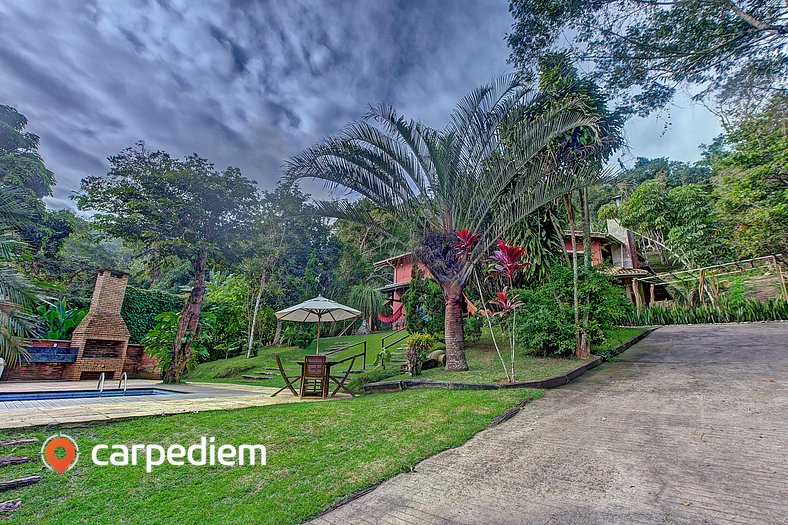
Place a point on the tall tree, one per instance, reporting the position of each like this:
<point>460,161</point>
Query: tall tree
<point>168,206</point>
<point>437,182</point>
<point>643,50</point>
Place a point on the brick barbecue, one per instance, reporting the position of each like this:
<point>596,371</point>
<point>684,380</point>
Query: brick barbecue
<point>100,344</point>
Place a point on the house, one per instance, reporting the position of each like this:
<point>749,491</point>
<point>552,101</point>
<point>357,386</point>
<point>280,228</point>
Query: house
<point>615,249</point>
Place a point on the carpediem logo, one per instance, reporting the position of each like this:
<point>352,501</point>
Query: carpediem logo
<point>206,452</point>
<point>60,453</point>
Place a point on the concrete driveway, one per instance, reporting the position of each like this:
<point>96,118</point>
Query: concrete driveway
<point>690,426</point>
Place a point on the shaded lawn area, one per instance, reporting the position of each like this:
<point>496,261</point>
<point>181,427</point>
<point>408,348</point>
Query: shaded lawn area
<point>231,370</point>
<point>318,453</point>
<point>485,365</point>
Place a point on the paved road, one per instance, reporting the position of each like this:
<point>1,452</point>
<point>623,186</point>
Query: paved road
<point>689,427</point>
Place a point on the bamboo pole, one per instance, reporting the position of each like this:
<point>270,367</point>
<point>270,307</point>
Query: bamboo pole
<point>780,276</point>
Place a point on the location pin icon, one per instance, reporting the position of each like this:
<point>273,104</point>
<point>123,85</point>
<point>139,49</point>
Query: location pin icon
<point>60,453</point>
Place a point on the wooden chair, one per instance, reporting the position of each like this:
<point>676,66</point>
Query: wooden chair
<point>313,380</point>
<point>340,380</point>
<point>290,382</point>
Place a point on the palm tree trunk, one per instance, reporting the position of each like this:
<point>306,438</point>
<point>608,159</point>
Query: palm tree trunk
<point>453,329</point>
<point>585,344</point>
<point>188,321</point>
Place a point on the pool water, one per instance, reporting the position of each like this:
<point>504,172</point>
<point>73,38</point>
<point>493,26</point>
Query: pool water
<point>81,394</point>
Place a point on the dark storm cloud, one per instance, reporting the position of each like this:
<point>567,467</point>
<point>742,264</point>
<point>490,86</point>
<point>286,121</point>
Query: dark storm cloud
<point>246,83</point>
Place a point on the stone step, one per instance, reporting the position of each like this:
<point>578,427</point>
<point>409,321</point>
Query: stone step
<point>257,378</point>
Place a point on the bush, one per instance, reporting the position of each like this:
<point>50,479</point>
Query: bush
<point>141,307</point>
<point>58,321</point>
<point>158,342</point>
<point>738,311</point>
<point>356,384</point>
<point>545,323</point>
<point>419,345</point>
<point>297,336</point>
<point>473,327</point>
<point>424,305</point>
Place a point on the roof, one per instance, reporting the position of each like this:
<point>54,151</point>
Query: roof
<point>392,259</point>
<point>394,287</point>
<point>628,272</point>
<point>599,236</point>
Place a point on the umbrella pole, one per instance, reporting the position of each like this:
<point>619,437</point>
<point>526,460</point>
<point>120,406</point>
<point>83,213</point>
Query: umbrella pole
<point>318,336</point>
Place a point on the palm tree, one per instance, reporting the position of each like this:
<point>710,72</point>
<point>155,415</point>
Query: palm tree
<point>368,300</point>
<point>484,172</point>
<point>18,296</point>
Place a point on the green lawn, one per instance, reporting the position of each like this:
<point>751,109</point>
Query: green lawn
<point>485,365</point>
<point>616,336</point>
<point>231,370</point>
<point>318,453</point>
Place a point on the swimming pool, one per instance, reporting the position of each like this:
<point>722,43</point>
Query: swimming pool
<point>82,394</point>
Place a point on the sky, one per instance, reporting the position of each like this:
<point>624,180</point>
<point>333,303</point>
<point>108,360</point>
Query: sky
<point>250,83</point>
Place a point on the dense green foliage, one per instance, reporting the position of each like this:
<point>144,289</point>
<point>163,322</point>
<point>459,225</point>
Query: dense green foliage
<point>473,328</point>
<point>424,305</point>
<point>751,186</point>
<point>545,322</point>
<point>746,310</point>
<point>58,321</point>
<point>643,51</point>
<point>158,342</point>
<point>141,307</point>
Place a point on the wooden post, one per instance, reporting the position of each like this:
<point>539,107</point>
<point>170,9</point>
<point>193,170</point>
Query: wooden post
<point>638,295</point>
<point>780,276</point>
<point>701,287</point>
<point>651,295</point>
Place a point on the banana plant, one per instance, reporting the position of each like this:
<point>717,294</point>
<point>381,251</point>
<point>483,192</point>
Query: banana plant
<point>58,321</point>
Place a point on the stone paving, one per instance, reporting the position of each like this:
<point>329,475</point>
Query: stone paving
<point>191,397</point>
<point>689,426</point>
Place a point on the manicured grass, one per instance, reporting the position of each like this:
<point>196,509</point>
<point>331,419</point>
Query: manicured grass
<point>231,370</point>
<point>318,453</point>
<point>485,365</point>
<point>618,335</point>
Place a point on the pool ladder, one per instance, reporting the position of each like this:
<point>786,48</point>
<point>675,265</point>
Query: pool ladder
<point>124,383</point>
<point>100,385</point>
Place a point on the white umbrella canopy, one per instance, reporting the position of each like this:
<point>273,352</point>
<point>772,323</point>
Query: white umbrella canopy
<point>317,310</point>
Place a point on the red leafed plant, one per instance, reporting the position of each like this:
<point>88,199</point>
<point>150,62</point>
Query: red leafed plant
<point>506,259</point>
<point>464,243</point>
<point>504,302</point>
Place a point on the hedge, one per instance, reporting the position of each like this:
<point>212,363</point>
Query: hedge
<point>140,308</point>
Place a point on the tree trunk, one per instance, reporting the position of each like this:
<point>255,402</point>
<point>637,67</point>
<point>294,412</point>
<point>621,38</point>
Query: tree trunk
<point>587,253</point>
<point>188,322</point>
<point>454,330</point>
<point>571,216</point>
<point>278,334</point>
<point>254,315</point>
<point>585,344</point>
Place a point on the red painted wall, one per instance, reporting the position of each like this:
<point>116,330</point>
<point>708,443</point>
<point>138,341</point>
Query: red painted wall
<point>596,249</point>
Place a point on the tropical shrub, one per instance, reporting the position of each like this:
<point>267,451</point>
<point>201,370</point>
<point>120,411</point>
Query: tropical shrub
<point>473,327</point>
<point>545,321</point>
<point>368,300</point>
<point>419,345</point>
<point>141,307</point>
<point>297,336</point>
<point>225,299</point>
<point>424,305</point>
<point>159,341</point>
<point>58,321</point>
<point>739,311</point>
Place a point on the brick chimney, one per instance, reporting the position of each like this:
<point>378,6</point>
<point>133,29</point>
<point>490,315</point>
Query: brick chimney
<point>102,337</point>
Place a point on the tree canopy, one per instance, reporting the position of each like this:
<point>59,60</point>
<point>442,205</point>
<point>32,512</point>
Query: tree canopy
<point>643,50</point>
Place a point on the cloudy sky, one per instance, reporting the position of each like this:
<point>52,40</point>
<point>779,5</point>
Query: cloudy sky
<point>249,83</point>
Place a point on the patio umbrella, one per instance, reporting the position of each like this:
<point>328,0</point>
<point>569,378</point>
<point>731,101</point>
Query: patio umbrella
<point>315,311</point>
